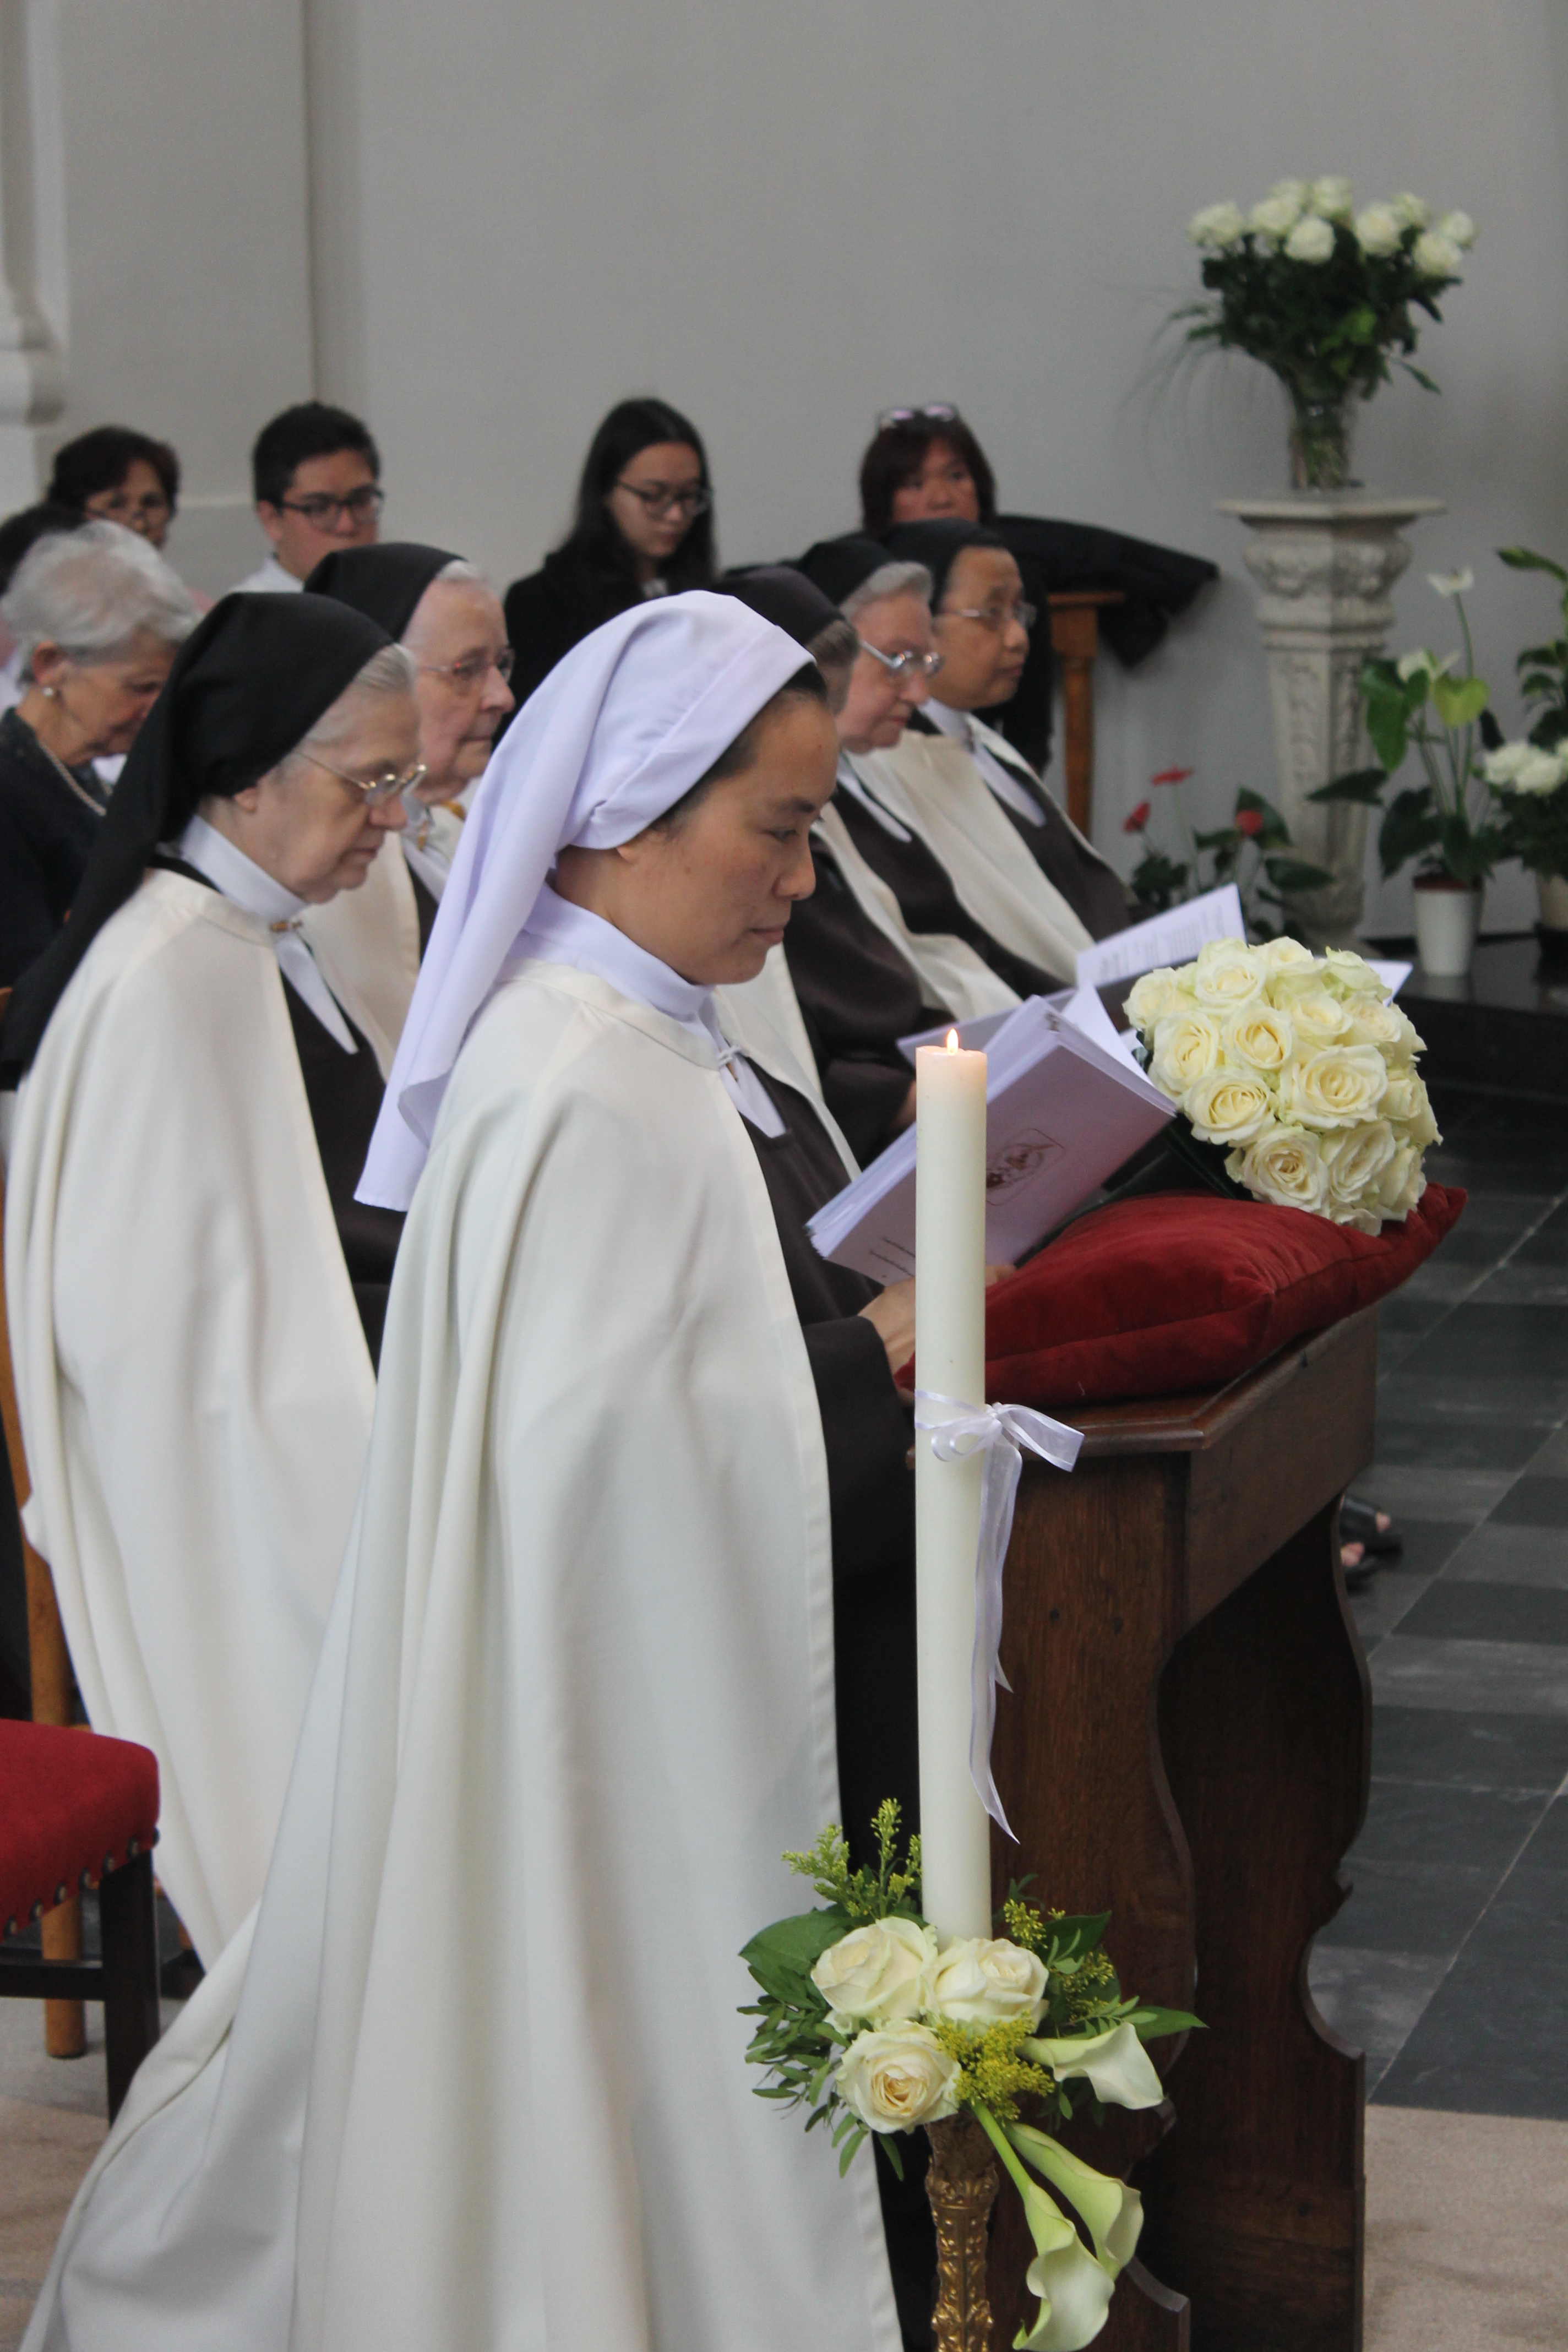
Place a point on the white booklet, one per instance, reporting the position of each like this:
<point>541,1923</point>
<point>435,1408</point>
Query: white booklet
<point>1172,938</point>
<point>1063,1112</point>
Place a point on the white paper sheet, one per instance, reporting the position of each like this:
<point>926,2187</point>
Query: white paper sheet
<point>1173,937</point>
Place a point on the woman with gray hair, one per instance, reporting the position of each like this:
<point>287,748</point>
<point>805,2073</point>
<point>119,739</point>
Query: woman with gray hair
<point>97,615</point>
<point>193,1294</point>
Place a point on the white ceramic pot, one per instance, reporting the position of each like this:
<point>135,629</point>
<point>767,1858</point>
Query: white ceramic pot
<point>1554,890</point>
<point>1447,916</point>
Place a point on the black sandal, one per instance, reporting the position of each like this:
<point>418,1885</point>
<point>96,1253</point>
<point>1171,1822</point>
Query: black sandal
<point>1358,1524</point>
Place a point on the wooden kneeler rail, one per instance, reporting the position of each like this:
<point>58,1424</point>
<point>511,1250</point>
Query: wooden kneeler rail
<point>53,1685</point>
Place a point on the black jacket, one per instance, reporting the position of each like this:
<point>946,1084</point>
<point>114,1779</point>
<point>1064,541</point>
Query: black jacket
<point>45,832</point>
<point>552,610</point>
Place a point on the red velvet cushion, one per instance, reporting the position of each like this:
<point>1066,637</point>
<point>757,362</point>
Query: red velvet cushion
<point>1182,1291</point>
<point>69,1802</point>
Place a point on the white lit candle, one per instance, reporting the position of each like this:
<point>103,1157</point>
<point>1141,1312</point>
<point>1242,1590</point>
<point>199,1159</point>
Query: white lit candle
<point>949,1362</point>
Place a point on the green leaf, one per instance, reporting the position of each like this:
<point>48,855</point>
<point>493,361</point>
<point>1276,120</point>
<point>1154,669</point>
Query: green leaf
<point>780,1958</point>
<point>1387,723</point>
<point>891,2150</point>
<point>1422,378</point>
<point>1409,828</point>
<point>1295,874</point>
<point>1491,733</point>
<point>1154,2024</point>
<point>1364,785</point>
<point>1072,1938</point>
<point>1459,701</point>
<point>1523,559</point>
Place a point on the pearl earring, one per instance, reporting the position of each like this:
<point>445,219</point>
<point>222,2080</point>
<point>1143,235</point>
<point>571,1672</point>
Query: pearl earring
<point>51,693</point>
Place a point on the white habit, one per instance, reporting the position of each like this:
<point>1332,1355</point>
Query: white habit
<point>268,578</point>
<point>481,2086</point>
<point>194,1389</point>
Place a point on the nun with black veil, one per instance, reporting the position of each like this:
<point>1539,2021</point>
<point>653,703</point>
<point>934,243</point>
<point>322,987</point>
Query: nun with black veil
<point>194,1295</point>
<point>474,2076</point>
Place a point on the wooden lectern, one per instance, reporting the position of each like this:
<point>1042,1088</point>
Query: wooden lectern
<point>1187,1746</point>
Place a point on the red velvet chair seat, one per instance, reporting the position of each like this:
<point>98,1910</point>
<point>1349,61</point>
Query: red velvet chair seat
<point>72,1805</point>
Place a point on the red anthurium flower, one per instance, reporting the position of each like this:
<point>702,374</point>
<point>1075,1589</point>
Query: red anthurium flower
<point>1139,818</point>
<point>1248,821</point>
<point>1173,775</point>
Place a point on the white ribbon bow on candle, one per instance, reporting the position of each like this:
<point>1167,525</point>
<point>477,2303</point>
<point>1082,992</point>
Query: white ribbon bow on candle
<point>999,1431</point>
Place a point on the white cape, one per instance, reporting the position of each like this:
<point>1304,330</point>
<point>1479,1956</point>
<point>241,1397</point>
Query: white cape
<point>366,942</point>
<point>194,1389</point>
<point>931,783</point>
<point>949,971</point>
<point>485,2087</point>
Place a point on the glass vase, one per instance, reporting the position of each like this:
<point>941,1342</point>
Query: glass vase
<point>1320,442</point>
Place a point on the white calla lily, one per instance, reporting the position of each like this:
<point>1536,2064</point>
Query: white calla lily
<point>1112,2212</point>
<point>1452,583</point>
<point>1073,2288</point>
<point>1115,2065</point>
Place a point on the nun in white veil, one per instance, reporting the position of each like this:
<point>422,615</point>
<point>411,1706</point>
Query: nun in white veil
<point>472,2077</point>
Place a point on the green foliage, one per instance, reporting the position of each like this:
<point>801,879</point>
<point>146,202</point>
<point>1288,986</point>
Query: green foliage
<point>1254,851</point>
<point>864,1895</point>
<point>1543,670</point>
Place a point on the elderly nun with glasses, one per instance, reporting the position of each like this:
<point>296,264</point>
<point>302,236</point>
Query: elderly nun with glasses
<point>194,1295</point>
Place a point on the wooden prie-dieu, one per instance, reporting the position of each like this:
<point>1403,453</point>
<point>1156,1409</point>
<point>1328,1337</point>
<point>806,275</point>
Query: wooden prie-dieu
<point>1187,1747</point>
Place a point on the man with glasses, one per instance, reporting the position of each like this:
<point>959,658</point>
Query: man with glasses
<point>316,474</point>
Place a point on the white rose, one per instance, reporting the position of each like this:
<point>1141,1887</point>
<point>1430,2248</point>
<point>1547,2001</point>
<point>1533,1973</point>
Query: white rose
<point>1402,1183</point>
<point>1259,1037</point>
<point>1312,240</point>
<point>1541,773</point>
<point>1337,1087</point>
<point>1410,212</point>
<point>982,1980</point>
<point>1292,191</point>
<point>1288,955</point>
<point>1458,229</point>
<point>1377,230</point>
<point>1187,1047</point>
<point>1285,1167</point>
<point>1229,1106</point>
<point>1372,1024</point>
<point>881,1971</point>
<point>1434,256</point>
<point>1411,1110</point>
<point>1332,198</point>
<point>1355,1159</point>
<point>1227,973</point>
<point>1319,1018</point>
<point>1349,975</point>
<point>1272,220</point>
<point>1217,227</point>
<point>1156,994</point>
<point>894,2080</point>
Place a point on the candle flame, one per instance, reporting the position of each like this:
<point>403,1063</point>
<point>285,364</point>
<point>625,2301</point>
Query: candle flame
<point>952,1040</point>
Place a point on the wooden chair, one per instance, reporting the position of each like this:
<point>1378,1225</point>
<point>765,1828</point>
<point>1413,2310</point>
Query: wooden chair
<point>53,1684</point>
<point>80,1810</point>
<point>1075,641</point>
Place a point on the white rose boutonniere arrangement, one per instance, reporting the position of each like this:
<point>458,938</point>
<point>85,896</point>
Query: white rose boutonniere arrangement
<point>1307,1084</point>
<point>872,2028</point>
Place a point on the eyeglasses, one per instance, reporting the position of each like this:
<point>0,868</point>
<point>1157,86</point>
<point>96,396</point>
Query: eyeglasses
<point>361,506</point>
<point>993,617</point>
<point>113,506</point>
<point>471,672</point>
<point>904,665</point>
<point>935,412</point>
<point>378,790</point>
<point>658,498</point>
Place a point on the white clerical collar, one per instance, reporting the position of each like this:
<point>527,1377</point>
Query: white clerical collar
<point>239,879</point>
<point>423,848</point>
<point>560,932</point>
<point>961,727</point>
<point>853,786</point>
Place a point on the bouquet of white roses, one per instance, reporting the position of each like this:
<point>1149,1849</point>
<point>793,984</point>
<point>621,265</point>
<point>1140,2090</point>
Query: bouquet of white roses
<point>876,2027</point>
<point>1299,1068</point>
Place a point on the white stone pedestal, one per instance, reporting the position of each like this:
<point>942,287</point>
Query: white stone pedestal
<point>1325,560</point>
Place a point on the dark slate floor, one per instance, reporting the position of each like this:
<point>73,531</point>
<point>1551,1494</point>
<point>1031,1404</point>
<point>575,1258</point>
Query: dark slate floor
<point>1449,1964</point>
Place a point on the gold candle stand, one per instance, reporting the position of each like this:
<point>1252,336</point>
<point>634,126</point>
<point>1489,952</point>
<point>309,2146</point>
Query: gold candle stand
<point>962,2185</point>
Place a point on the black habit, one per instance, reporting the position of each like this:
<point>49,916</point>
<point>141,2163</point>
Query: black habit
<point>858,996</point>
<point>927,899</point>
<point>344,1092</point>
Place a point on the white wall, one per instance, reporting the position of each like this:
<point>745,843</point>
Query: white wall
<point>783,218</point>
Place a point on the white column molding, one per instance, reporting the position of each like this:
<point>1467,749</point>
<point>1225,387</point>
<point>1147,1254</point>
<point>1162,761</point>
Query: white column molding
<point>1326,563</point>
<point>32,244</point>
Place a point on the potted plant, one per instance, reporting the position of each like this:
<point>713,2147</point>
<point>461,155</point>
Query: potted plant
<point>1322,295</point>
<point>1254,851</point>
<point>1529,776</point>
<point>1447,821</point>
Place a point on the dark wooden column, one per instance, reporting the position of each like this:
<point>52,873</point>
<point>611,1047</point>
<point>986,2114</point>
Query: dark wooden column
<point>1075,641</point>
<point>1187,1746</point>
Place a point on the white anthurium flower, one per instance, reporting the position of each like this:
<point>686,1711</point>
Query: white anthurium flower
<point>1312,240</point>
<point>1112,2212</point>
<point>1434,256</point>
<point>1422,663</point>
<point>1074,2290</point>
<point>1458,229</point>
<point>1217,227</point>
<point>1272,221</point>
<point>1116,2066</point>
<point>1377,230</point>
<point>1452,583</point>
<point>1410,212</point>
<point>1332,198</point>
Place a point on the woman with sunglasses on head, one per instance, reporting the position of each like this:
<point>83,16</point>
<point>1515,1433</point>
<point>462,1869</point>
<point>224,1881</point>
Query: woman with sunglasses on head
<point>194,1295</point>
<point>644,527</point>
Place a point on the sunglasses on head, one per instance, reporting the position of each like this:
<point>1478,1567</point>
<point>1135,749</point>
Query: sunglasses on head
<point>935,412</point>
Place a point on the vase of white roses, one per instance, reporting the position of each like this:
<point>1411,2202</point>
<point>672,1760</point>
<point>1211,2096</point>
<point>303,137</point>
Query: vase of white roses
<point>1322,295</point>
